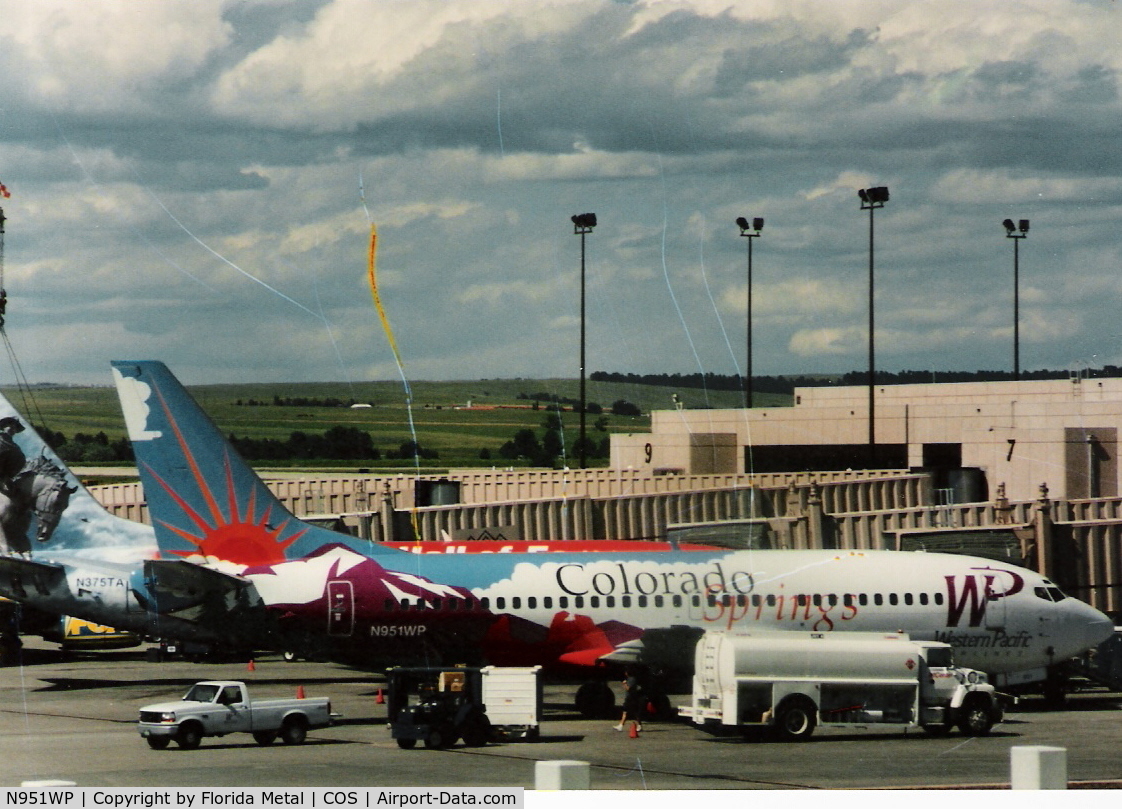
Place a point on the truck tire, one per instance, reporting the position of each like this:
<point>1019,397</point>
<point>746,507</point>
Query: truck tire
<point>795,719</point>
<point>440,736</point>
<point>476,731</point>
<point>158,742</point>
<point>264,737</point>
<point>189,736</point>
<point>294,730</point>
<point>975,718</point>
<point>406,744</point>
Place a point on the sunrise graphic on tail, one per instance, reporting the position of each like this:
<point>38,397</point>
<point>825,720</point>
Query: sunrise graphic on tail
<point>236,535</point>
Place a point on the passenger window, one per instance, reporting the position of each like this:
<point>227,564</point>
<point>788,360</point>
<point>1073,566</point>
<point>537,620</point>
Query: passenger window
<point>771,600</point>
<point>863,599</point>
<point>643,601</point>
<point>452,604</point>
<point>847,599</point>
<point>893,599</point>
<point>923,599</point>
<point>436,603</point>
<point>908,599</point>
<point>516,602</point>
<point>741,600</point>
<point>695,600</point>
<point>711,600</point>
<point>675,600</point>
<point>609,601</point>
<point>500,603</point>
<point>625,601</point>
<point>578,603</point>
<point>833,599</point>
<point>563,602</point>
<point>726,600</point>
<point>594,601</point>
<point>532,602</point>
<point>817,599</point>
<point>485,603</point>
<point>938,599</point>
<point>547,602</point>
<point>802,600</point>
<point>878,599</point>
<point>756,600</point>
<point>405,603</point>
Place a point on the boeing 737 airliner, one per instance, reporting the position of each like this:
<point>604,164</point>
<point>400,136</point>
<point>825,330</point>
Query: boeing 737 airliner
<point>348,596</point>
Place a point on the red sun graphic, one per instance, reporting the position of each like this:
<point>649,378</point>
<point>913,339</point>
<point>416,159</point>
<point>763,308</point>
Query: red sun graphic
<point>233,535</point>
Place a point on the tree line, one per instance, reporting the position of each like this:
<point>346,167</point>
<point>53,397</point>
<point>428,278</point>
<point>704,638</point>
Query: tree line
<point>787,384</point>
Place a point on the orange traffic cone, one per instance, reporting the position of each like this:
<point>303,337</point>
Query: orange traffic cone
<point>379,700</point>
<point>299,692</point>
<point>634,734</point>
<point>252,666</point>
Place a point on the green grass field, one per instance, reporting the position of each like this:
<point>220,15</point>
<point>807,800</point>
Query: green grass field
<point>442,421</point>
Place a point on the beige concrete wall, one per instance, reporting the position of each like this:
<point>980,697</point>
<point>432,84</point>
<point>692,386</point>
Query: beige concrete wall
<point>1013,431</point>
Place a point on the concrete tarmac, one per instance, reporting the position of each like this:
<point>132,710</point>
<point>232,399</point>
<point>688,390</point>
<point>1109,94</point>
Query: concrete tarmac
<point>74,719</point>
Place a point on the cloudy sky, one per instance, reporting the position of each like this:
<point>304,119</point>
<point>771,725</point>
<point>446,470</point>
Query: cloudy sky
<point>194,181</point>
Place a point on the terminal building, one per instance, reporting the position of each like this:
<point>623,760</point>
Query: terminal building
<point>972,437</point>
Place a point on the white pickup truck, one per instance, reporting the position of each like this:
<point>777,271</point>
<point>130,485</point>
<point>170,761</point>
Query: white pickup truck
<point>218,707</point>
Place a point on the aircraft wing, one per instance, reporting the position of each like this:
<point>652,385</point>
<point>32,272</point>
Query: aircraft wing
<point>21,578</point>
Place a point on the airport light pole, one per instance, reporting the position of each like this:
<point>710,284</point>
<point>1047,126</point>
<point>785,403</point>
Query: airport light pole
<point>1010,232</point>
<point>871,200</point>
<point>749,230</point>
<point>583,223</point>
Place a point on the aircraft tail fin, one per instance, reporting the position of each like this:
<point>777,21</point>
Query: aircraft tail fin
<point>44,507</point>
<point>206,503</point>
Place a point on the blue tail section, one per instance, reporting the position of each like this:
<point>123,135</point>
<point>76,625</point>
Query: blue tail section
<point>205,500</point>
<point>44,509</point>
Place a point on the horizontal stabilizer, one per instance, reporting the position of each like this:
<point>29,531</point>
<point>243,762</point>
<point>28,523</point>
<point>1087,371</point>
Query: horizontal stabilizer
<point>20,578</point>
<point>195,593</point>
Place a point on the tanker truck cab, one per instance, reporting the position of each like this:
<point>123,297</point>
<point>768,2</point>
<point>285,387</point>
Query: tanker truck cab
<point>792,682</point>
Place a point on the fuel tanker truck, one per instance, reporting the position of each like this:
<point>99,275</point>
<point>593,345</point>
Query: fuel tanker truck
<point>791,682</point>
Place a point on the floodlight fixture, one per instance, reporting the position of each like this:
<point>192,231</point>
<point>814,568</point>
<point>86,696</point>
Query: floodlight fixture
<point>750,230</point>
<point>1010,232</point>
<point>871,199</point>
<point>583,223</point>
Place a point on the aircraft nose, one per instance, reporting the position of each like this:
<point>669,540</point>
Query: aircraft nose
<point>1087,627</point>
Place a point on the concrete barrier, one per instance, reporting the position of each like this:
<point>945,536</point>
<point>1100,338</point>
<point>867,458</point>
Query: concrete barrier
<point>561,775</point>
<point>1038,767</point>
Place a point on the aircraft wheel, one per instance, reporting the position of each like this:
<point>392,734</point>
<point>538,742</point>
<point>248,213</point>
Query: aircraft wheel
<point>406,744</point>
<point>595,700</point>
<point>264,737</point>
<point>190,736</point>
<point>938,730</point>
<point>158,742</point>
<point>795,720</point>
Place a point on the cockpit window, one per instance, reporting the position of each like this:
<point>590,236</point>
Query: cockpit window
<point>1049,593</point>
